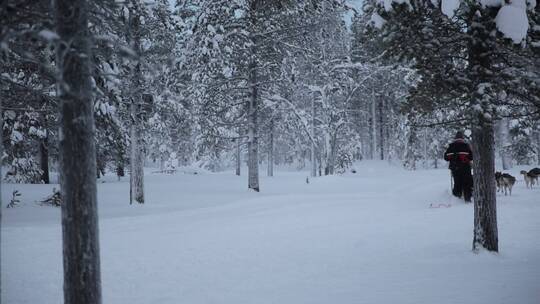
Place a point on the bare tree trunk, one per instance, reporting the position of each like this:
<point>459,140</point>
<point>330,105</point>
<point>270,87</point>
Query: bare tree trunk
<point>485,203</point>
<point>538,142</point>
<point>137,160</point>
<point>410,157</point>
<point>313,154</point>
<point>253,149</point>
<point>320,161</point>
<point>82,283</point>
<point>538,146</point>
<point>425,148</point>
<point>333,154</point>
<point>504,136</point>
<point>238,154</point>
<point>271,150</point>
<point>485,207</point>
<point>44,158</point>
<point>381,127</point>
<point>1,202</point>
<point>373,125</point>
<point>137,152</point>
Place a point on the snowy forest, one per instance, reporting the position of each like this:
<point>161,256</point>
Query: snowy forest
<point>217,124</point>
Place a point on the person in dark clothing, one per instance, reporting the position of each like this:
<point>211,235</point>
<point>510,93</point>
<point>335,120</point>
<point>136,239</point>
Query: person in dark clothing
<point>459,154</point>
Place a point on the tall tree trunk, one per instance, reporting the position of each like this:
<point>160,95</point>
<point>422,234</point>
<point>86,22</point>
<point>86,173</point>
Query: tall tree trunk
<point>381,127</point>
<point>538,142</point>
<point>425,148</point>
<point>410,153</point>
<point>253,106</point>
<point>238,153</point>
<point>253,145</point>
<point>82,283</point>
<point>333,154</point>
<point>373,125</point>
<point>271,150</point>
<point>137,152</point>
<point>313,154</point>
<point>1,202</point>
<point>44,157</point>
<point>538,146</point>
<point>485,207</point>
<point>504,136</point>
<point>485,203</point>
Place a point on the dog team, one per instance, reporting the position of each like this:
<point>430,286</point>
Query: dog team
<point>505,181</point>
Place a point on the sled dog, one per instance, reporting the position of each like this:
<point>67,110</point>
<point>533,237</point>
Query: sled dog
<point>504,182</point>
<point>529,177</point>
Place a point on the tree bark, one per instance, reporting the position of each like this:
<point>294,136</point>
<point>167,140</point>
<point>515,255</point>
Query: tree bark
<point>313,154</point>
<point>485,204</point>
<point>137,152</point>
<point>238,154</point>
<point>373,125</point>
<point>331,163</point>
<point>253,149</point>
<point>504,134</point>
<point>538,142</point>
<point>1,202</point>
<point>44,158</point>
<point>82,283</point>
<point>271,150</point>
<point>253,106</point>
<point>381,127</point>
<point>485,207</point>
<point>425,148</point>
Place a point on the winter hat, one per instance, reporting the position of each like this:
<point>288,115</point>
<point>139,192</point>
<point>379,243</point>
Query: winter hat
<point>459,135</point>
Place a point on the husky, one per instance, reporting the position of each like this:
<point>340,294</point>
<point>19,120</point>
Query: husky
<point>534,174</point>
<point>498,180</point>
<point>529,177</point>
<point>504,182</point>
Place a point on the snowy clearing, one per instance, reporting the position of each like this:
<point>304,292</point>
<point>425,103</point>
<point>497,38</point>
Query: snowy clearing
<point>368,237</point>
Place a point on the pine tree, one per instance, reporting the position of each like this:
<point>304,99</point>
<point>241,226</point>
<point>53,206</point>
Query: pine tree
<point>82,283</point>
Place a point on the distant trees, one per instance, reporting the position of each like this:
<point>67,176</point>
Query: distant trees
<point>176,86</point>
<point>264,60</point>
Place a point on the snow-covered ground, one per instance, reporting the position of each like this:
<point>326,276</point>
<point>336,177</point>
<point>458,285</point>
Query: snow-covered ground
<point>368,237</point>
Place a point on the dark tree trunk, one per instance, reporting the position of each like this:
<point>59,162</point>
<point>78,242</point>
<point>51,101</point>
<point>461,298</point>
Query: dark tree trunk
<point>100,166</point>
<point>82,283</point>
<point>271,150</point>
<point>538,144</point>
<point>1,202</point>
<point>485,207</point>
<point>381,127</point>
<point>238,159</point>
<point>331,165</point>
<point>313,155</point>
<point>483,135</point>
<point>253,146</point>
<point>44,158</point>
<point>253,106</point>
<point>137,148</point>
<point>238,153</point>
<point>373,125</point>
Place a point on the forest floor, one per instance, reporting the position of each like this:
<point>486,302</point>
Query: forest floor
<point>369,237</point>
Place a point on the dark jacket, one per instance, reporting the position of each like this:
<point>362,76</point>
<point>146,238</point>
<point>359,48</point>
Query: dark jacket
<point>459,154</point>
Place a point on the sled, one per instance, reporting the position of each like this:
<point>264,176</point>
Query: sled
<point>440,205</point>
